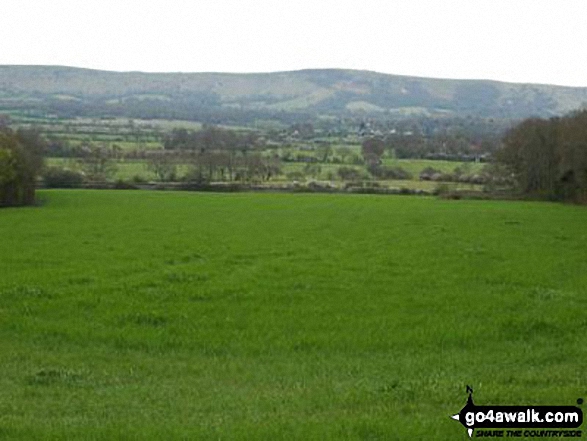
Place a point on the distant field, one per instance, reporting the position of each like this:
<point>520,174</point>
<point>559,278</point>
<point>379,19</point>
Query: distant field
<point>125,170</point>
<point>125,133</point>
<point>131,169</point>
<point>163,315</point>
<point>415,166</point>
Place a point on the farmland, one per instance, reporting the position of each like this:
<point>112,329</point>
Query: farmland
<point>107,148</point>
<point>129,149</point>
<point>175,315</point>
<point>139,171</point>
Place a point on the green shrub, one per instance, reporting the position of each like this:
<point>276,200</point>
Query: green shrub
<point>349,174</point>
<point>138,179</point>
<point>57,177</point>
<point>380,172</point>
<point>441,189</point>
<point>121,184</point>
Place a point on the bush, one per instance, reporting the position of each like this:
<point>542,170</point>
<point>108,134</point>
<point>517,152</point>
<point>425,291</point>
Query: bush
<point>138,179</point>
<point>318,187</point>
<point>380,172</point>
<point>429,173</point>
<point>497,177</point>
<point>57,177</point>
<point>349,174</point>
<point>441,189</point>
<point>124,185</point>
<point>195,176</point>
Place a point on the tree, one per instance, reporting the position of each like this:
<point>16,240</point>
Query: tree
<point>548,158</point>
<point>57,177</point>
<point>178,139</point>
<point>97,162</point>
<point>312,170</point>
<point>163,165</point>
<point>349,174</point>
<point>20,164</point>
<point>263,168</point>
<point>324,151</point>
<point>529,151</point>
<point>372,149</point>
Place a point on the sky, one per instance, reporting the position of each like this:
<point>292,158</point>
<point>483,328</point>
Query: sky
<point>530,41</point>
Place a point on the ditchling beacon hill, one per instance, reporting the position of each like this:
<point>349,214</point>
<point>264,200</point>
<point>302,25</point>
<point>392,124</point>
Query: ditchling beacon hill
<point>215,97</point>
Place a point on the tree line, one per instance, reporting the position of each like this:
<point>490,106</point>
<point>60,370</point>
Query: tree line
<point>214,153</point>
<point>544,158</point>
<point>547,158</point>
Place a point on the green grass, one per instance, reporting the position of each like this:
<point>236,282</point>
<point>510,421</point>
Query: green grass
<point>126,170</point>
<point>163,315</point>
<point>129,169</point>
<point>415,166</point>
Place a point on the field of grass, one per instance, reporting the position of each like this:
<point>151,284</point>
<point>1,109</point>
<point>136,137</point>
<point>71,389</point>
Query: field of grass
<point>168,315</point>
<point>128,170</point>
<point>415,166</point>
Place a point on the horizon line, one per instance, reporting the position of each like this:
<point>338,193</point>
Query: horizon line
<point>310,69</point>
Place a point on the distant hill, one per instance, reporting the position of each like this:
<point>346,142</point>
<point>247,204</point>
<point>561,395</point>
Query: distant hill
<point>70,91</point>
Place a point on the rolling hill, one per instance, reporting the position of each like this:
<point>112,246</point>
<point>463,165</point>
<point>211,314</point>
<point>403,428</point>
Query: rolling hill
<point>332,92</point>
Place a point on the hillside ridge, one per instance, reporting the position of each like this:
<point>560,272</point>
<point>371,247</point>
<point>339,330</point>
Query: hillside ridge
<point>334,92</point>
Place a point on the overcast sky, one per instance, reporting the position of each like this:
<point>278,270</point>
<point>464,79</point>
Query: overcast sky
<point>510,40</point>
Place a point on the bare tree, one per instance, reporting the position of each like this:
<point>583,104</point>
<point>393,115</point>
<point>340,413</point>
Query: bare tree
<point>372,149</point>
<point>97,162</point>
<point>164,165</point>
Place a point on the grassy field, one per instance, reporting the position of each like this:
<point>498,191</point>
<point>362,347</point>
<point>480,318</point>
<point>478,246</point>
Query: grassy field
<point>129,170</point>
<point>161,315</point>
<point>415,166</point>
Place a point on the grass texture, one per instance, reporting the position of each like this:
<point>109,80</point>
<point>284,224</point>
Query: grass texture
<point>162,315</point>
